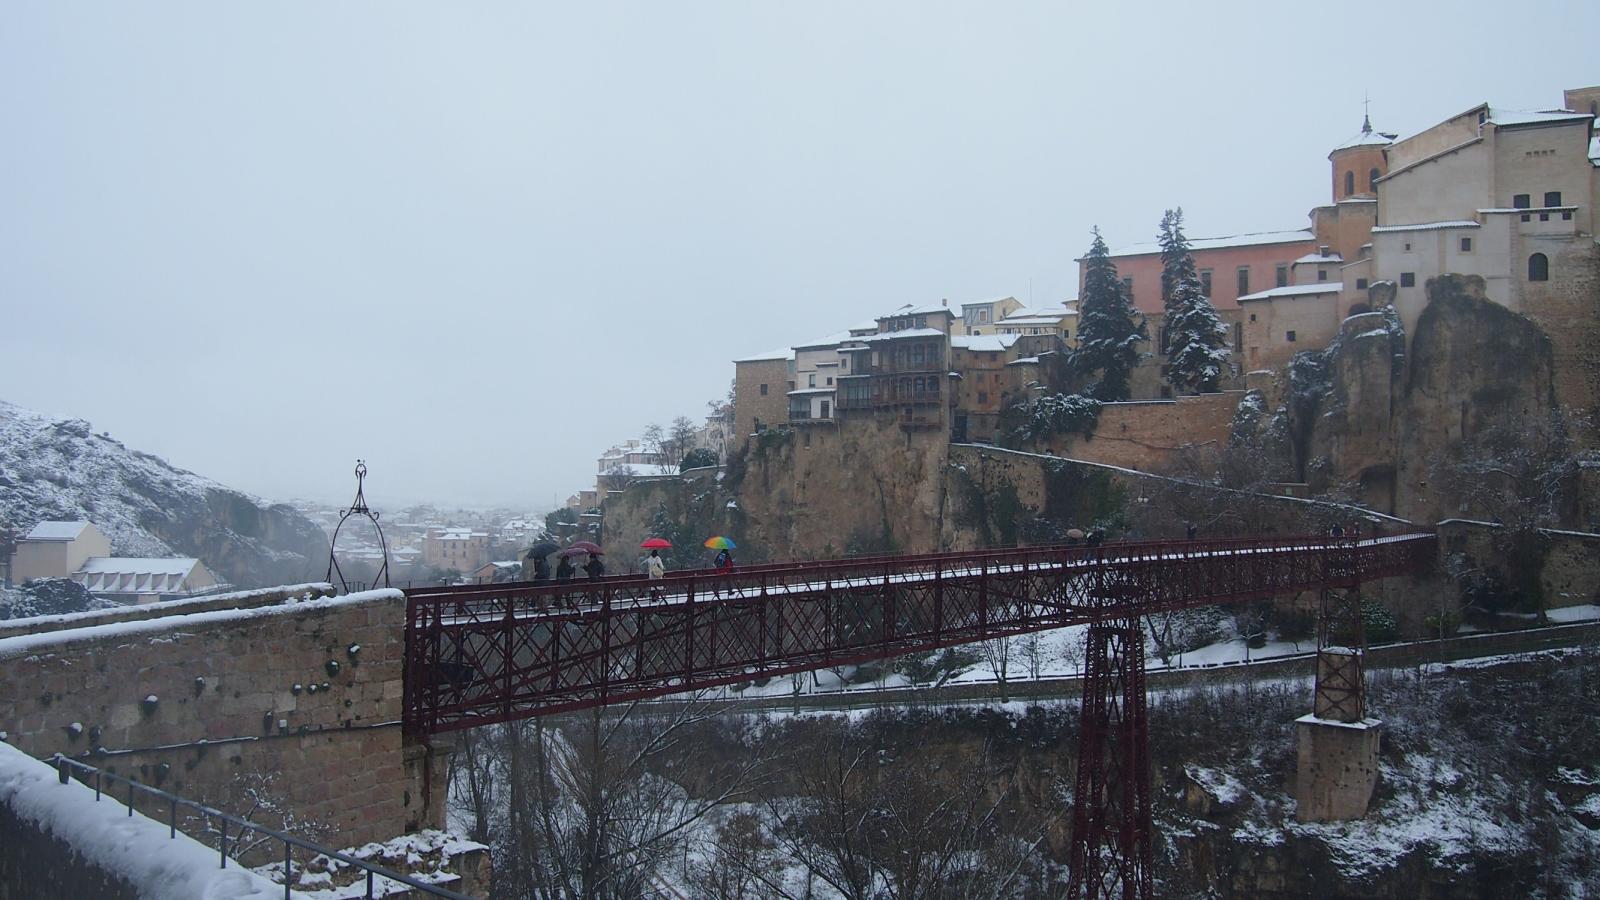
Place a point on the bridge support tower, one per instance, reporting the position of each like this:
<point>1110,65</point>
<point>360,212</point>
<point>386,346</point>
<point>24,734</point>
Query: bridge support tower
<point>1338,744</point>
<point>1110,852</point>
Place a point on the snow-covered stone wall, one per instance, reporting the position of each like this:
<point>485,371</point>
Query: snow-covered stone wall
<point>285,712</point>
<point>232,600</point>
<point>57,841</point>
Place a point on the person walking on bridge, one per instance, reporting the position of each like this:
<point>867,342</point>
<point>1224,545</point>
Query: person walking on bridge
<point>564,569</point>
<point>594,566</point>
<point>654,566</point>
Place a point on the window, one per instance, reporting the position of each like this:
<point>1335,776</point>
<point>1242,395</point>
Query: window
<point>1322,274</point>
<point>1252,317</point>
<point>1244,280</point>
<point>1372,180</point>
<point>760,427</point>
<point>1161,338</point>
<point>983,397</point>
<point>1283,275</point>
<point>1521,201</point>
<point>1289,336</point>
<point>1408,279</point>
<point>1552,198</point>
<point>1566,216</point>
<point>1538,267</point>
<point>1127,285</point>
<point>1361,284</point>
<point>1466,245</point>
<point>1349,183</point>
<point>1238,337</point>
<point>811,379</point>
<point>1205,282</point>
<point>763,390</point>
<point>830,381</point>
<point>922,321</point>
<point>993,356</point>
<point>825,410</point>
<point>1408,246</point>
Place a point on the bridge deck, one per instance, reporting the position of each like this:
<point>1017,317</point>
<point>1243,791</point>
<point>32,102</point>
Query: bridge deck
<point>490,653</point>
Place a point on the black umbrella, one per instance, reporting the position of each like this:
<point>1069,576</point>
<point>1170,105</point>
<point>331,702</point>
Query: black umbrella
<point>541,550</point>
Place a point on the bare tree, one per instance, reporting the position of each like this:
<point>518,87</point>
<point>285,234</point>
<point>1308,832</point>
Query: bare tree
<point>997,653</point>
<point>592,817</point>
<point>475,778</point>
<point>1035,653</point>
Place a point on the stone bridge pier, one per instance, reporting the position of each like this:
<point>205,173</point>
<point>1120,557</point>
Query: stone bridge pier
<point>279,706</point>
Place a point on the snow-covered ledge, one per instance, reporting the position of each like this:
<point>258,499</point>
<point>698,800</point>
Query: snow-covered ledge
<point>56,840</point>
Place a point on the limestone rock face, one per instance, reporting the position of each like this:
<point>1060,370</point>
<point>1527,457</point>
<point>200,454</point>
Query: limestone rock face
<point>1379,407</point>
<point>60,469</point>
<point>809,492</point>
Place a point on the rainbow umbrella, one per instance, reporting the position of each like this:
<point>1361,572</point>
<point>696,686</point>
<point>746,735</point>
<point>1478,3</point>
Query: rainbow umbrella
<point>720,543</point>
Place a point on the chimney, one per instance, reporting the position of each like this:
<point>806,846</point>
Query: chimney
<point>945,301</point>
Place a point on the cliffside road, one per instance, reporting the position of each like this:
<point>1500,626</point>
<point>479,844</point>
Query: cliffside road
<point>1299,665</point>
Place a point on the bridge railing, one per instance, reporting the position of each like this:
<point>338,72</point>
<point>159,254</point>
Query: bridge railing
<point>479,654</point>
<point>103,782</point>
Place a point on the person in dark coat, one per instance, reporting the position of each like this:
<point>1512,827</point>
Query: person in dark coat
<point>594,566</point>
<point>1192,531</point>
<point>541,569</point>
<point>724,561</point>
<point>1095,538</point>
<point>1337,531</point>
<point>564,569</point>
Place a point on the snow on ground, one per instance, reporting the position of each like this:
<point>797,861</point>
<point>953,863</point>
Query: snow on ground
<point>1581,613</point>
<point>424,856</point>
<point>1427,811</point>
<point>134,847</point>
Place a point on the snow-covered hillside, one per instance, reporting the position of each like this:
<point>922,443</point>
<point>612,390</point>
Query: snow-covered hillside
<point>60,469</point>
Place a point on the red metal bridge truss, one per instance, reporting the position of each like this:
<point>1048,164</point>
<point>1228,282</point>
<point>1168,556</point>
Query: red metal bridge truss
<point>482,654</point>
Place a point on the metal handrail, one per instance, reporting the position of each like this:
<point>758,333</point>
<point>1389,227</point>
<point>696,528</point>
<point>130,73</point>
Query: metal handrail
<point>64,766</point>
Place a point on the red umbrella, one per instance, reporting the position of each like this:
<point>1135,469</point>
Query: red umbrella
<point>656,544</point>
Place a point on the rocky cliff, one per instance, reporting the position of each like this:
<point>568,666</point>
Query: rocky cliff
<point>1377,412</point>
<point>60,469</point>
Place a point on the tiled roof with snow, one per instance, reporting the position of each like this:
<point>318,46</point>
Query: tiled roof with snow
<point>56,531</point>
<point>1507,118</point>
<point>1317,258</point>
<point>832,340</point>
<point>1367,139</point>
<point>780,353</point>
<point>1253,239</point>
<point>807,392</point>
<point>988,301</point>
<point>912,310</point>
<point>1294,290</point>
<point>1424,226</point>
<point>896,335</point>
<point>135,575</point>
<point>980,343</point>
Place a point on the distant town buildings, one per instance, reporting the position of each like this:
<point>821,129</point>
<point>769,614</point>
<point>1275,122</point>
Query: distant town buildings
<point>456,549</point>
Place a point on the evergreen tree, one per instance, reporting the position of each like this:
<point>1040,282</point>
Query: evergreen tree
<point>1109,329</point>
<point>1196,344</point>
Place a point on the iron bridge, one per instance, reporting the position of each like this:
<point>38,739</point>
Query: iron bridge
<point>481,654</point>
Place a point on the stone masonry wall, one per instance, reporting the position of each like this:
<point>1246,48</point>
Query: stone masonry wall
<point>233,600</point>
<point>299,702</point>
<point>1146,435</point>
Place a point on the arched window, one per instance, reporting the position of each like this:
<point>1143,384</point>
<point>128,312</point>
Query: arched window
<point>1538,267</point>
<point>1349,183</point>
<point>1372,180</point>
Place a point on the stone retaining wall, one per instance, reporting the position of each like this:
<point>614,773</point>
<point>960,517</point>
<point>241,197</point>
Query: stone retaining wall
<point>299,704</point>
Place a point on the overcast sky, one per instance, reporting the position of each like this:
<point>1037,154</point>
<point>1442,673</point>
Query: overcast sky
<point>477,243</point>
